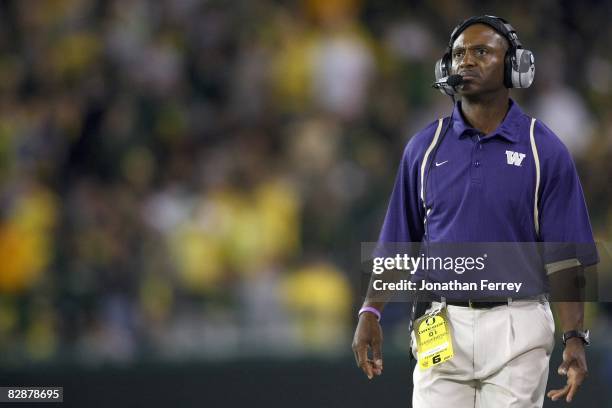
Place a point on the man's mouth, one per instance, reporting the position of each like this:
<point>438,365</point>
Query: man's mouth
<point>468,75</point>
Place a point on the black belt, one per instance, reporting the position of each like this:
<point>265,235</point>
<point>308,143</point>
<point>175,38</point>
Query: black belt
<point>475,304</point>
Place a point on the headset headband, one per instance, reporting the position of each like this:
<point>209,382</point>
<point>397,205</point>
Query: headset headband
<point>497,23</point>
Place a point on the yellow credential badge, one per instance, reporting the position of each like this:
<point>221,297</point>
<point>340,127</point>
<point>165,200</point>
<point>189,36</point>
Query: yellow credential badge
<point>434,341</point>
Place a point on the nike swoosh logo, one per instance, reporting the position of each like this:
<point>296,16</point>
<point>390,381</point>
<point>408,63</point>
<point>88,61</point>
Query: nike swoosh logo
<point>441,163</point>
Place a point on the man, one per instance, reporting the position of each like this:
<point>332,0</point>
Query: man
<point>489,173</point>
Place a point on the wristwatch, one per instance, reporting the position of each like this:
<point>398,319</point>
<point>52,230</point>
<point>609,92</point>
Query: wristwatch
<point>585,336</point>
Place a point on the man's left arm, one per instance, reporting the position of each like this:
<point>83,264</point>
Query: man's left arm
<point>571,317</point>
<point>567,235</point>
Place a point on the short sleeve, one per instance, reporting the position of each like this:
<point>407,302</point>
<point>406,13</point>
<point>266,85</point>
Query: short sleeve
<point>404,219</point>
<point>564,220</point>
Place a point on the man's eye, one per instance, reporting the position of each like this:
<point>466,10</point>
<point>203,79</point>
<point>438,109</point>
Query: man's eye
<point>459,54</point>
<point>481,51</point>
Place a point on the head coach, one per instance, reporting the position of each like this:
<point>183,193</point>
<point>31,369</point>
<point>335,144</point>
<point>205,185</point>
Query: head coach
<point>500,176</point>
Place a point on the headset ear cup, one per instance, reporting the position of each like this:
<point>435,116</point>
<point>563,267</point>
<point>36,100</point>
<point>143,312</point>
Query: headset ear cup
<point>442,70</point>
<point>523,68</point>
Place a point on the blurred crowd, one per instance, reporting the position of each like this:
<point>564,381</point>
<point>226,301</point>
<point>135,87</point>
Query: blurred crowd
<point>193,178</point>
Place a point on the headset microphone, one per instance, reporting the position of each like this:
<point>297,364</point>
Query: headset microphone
<point>448,83</point>
<point>451,80</point>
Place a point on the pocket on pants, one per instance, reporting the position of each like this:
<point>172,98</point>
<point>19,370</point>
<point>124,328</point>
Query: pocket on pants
<point>533,326</point>
<point>547,322</point>
<point>549,317</point>
<point>551,323</point>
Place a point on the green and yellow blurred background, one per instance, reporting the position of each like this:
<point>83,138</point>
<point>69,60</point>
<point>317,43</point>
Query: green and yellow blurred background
<point>188,181</point>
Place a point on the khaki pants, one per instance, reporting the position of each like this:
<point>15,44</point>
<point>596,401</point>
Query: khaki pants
<point>501,359</point>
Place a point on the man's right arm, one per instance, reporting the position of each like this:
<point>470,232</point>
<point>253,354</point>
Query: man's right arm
<point>403,224</point>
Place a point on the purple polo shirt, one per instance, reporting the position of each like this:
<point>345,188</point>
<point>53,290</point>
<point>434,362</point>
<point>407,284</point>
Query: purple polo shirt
<point>481,188</point>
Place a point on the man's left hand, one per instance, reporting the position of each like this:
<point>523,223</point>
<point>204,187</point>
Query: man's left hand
<point>574,366</point>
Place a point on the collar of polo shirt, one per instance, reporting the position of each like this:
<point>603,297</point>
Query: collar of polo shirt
<point>508,129</point>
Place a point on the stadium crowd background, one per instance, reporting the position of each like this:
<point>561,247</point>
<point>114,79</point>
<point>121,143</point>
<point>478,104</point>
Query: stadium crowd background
<point>192,179</point>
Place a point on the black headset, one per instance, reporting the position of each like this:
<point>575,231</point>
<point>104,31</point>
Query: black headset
<point>519,65</point>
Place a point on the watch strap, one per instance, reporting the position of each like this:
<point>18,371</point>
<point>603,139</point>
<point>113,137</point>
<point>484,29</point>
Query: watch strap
<point>583,335</point>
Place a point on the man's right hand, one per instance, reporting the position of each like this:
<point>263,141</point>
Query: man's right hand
<point>368,334</point>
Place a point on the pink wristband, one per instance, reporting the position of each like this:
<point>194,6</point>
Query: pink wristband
<point>370,309</point>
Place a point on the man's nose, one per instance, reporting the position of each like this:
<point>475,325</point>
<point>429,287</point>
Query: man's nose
<point>467,60</point>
